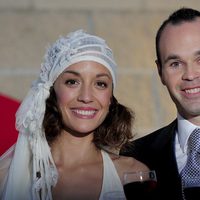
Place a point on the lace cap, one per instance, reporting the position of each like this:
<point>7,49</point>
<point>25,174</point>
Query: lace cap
<point>75,47</point>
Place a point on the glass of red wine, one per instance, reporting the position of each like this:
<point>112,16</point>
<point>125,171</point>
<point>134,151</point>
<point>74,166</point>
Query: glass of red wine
<point>140,185</point>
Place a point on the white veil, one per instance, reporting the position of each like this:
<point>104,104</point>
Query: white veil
<point>27,169</point>
<point>5,161</point>
<point>13,168</point>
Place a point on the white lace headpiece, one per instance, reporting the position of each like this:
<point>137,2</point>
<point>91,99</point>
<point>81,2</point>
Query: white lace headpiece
<point>75,47</point>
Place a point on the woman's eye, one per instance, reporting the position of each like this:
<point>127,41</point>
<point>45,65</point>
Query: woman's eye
<point>102,84</point>
<point>71,82</point>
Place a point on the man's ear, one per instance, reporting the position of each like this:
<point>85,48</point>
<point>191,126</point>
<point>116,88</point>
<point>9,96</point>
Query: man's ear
<point>159,68</point>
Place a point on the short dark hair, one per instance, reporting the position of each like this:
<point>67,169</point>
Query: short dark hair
<point>176,18</point>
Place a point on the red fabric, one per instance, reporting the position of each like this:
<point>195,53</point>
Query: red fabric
<point>8,133</point>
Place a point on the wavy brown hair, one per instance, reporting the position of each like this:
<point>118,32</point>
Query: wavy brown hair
<point>115,130</point>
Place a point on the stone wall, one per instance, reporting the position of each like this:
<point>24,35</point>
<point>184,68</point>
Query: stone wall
<point>129,27</point>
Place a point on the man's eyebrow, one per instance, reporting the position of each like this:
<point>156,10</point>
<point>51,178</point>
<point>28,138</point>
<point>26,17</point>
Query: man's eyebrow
<point>174,56</point>
<point>171,57</point>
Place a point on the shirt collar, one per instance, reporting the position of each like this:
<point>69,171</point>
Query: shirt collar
<point>185,128</point>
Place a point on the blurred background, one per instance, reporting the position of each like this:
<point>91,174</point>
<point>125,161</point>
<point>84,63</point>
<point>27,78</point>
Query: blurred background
<point>128,26</point>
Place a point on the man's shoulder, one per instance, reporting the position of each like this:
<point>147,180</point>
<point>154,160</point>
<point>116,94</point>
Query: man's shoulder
<point>166,129</point>
<point>151,142</point>
<point>158,135</point>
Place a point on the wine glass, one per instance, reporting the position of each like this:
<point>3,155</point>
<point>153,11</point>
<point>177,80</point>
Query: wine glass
<point>140,185</point>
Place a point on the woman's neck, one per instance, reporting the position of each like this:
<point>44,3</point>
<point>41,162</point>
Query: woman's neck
<point>68,149</point>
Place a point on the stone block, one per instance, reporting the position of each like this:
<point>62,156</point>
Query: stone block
<point>88,5</point>
<point>15,4</point>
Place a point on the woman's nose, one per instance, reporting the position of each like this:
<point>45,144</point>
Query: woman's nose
<point>85,94</point>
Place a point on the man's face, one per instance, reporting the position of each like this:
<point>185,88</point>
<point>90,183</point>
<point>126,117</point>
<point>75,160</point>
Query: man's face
<point>180,58</point>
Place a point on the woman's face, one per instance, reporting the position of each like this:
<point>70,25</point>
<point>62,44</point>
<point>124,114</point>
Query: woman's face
<point>84,92</point>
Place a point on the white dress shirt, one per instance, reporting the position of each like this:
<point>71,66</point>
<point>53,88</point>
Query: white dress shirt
<point>183,132</point>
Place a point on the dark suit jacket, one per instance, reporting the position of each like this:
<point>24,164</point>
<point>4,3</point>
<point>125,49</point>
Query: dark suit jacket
<point>156,150</point>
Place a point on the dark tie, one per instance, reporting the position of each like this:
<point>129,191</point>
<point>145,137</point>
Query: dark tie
<point>191,172</point>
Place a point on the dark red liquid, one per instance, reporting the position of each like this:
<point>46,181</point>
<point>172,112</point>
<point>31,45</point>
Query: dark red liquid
<point>140,190</point>
<point>192,193</point>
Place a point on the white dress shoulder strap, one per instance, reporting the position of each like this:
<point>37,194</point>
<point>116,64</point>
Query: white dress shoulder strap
<point>111,180</point>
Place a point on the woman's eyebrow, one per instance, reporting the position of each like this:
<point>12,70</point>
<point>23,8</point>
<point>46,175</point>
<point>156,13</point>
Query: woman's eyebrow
<point>72,72</point>
<point>103,74</point>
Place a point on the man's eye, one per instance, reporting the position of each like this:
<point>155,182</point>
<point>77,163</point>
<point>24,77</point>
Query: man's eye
<point>175,64</point>
<point>198,60</point>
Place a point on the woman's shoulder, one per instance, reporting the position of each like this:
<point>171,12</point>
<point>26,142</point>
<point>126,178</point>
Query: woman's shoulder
<point>127,164</point>
<point>131,164</point>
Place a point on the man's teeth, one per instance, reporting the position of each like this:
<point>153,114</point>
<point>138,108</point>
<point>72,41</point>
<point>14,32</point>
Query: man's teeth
<point>191,91</point>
